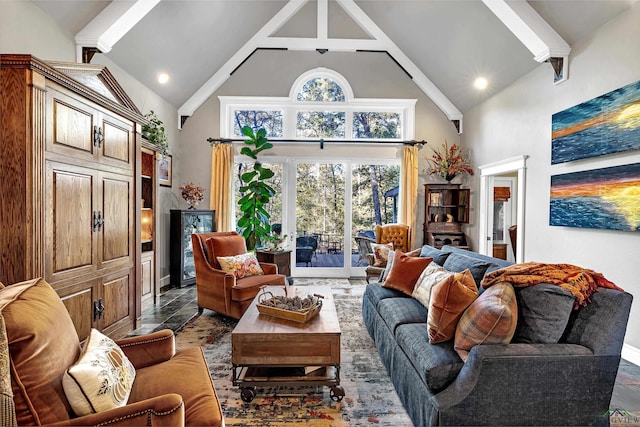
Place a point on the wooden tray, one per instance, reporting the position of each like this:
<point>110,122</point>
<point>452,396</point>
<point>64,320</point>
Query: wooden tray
<point>297,316</point>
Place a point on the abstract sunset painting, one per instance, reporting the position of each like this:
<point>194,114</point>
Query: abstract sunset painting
<point>607,198</point>
<point>607,124</point>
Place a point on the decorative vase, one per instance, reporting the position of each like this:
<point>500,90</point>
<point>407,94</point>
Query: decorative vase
<point>449,177</point>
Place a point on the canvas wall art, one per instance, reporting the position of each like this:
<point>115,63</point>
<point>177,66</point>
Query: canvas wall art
<point>607,198</point>
<point>607,124</point>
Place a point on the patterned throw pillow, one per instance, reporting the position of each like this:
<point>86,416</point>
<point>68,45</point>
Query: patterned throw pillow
<point>430,276</point>
<point>490,319</point>
<point>381,253</point>
<point>449,299</point>
<point>243,265</point>
<point>101,379</point>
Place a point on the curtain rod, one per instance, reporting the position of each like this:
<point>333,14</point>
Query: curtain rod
<point>321,141</point>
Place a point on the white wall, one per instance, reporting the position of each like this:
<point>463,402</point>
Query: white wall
<point>27,29</point>
<point>518,121</point>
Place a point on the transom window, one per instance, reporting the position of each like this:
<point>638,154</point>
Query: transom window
<point>320,105</point>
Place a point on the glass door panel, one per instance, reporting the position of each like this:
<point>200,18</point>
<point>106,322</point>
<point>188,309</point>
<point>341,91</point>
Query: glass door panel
<point>374,201</point>
<point>320,220</point>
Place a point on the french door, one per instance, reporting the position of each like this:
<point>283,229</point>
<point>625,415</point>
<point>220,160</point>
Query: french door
<point>321,247</point>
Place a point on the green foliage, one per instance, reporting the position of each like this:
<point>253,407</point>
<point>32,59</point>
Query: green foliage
<point>154,132</point>
<point>254,223</point>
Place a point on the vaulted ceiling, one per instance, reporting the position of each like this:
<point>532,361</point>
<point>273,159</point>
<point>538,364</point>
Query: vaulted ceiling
<point>443,45</point>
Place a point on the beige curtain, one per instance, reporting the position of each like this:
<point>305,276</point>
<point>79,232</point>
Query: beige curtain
<point>409,191</point>
<point>222,186</point>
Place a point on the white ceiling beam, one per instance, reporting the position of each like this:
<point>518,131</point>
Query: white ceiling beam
<point>323,19</point>
<point>263,39</point>
<point>341,45</point>
<point>110,25</point>
<point>416,73</point>
<point>197,99</point>
<point>535,33</point>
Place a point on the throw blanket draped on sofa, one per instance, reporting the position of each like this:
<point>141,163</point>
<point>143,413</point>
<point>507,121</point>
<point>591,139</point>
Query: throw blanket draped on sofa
<point>581,282</point>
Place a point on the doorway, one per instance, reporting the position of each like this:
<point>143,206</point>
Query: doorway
<point>491,174</point>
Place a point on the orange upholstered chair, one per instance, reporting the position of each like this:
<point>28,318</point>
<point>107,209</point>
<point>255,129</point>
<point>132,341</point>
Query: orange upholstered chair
<point>218,290</point>
<point>171,388</point>
<point>398,234</point>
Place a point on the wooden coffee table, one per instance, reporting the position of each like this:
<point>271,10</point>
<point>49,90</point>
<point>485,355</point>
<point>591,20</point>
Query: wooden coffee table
<point>269,351</point>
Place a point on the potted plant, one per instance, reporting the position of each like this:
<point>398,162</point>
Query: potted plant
<point>154,132</point>
<point>254,224</point>
<point>449,162</point>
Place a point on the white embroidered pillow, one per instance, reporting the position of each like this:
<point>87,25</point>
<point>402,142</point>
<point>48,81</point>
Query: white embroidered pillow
<point>431,275</point>
<point>101,379</point>
<point>244,265</point>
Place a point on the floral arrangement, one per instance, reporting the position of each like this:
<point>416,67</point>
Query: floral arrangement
<point>192,194</point>
<point>449,162</point>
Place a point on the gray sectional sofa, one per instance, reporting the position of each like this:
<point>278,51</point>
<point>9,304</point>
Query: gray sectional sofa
<point>565,383</point>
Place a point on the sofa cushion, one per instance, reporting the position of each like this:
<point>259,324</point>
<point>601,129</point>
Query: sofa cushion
<point>225,245</point>
<point>201,403</point>
<point>490,319</point>
<point>405,272</point>
<point>437,364</point>
<point>439,257</point>
<point>375,292</point>
<point>458,262</point>
<point>243,265</point>
<point>101,378</point>
<point>431,275</point>
<point>400,311</point>
<point>32,310</point>
<point>543,313</point>
<point>449,299</point>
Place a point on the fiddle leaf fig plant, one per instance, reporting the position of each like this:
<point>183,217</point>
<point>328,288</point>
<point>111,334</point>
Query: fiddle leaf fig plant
<point>154,132</point>
<point>254,224</point>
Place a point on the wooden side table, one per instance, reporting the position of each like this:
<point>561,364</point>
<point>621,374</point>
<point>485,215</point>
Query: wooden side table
<point>280,258</point>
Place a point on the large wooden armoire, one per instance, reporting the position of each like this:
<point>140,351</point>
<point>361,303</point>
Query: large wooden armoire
<point>69,162</point>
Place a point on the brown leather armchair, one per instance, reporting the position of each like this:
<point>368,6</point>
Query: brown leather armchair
<point>220,291</point>
<point>170,388</point>
<point>398,234</point>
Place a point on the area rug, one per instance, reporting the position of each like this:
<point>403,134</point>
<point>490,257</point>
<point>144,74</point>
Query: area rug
<point>370,399</point>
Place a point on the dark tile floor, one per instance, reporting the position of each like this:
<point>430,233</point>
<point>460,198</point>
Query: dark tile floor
<point>177,306</point>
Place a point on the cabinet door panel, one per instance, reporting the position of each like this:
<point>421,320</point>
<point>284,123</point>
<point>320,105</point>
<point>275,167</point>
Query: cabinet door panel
<point>70,208</point>
<point>79,304</point>
<point>117,212</point>
<point>116,297</point>
<point>73,126</point>
<point>117,145</point>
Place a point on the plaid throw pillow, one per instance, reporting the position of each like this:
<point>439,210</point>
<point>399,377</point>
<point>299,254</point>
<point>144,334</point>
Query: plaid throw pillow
<point>490,319</point>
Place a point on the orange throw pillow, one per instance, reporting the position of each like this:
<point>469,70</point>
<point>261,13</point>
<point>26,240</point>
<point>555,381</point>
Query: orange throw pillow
<point>449,299</point>
<point>405,271</point>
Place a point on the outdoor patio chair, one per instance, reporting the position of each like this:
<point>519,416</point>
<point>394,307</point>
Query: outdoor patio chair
<point>306,249</point>
<point>363,243</point>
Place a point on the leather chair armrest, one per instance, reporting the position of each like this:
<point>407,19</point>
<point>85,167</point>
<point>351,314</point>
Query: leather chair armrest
<point>165,410</point>
<point>151,349</point>
<point>269,268</point>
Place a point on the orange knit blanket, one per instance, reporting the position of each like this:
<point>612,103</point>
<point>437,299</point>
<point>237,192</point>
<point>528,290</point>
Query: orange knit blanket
<point>581,282</point>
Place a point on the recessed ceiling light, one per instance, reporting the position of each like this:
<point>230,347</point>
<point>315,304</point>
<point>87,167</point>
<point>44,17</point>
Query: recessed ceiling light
<point>163,78</point>
<point>480,83</point>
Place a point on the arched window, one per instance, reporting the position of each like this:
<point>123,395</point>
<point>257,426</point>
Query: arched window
<point>321,104</point>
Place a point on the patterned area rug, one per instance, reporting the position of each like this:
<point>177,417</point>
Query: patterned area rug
<point>370,398</point>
